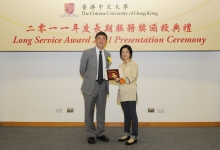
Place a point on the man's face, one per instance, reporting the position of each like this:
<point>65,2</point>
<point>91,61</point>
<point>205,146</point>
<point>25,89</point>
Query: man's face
<point>101,41</point>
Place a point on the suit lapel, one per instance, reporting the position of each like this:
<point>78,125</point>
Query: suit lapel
<point>106,59</point>
<point>94,57</point>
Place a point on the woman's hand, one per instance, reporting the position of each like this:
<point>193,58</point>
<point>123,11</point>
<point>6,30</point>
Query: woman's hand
<point>117,79</point>
<point>122,81</point>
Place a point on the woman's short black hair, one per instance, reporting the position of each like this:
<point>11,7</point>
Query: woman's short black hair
<point>101,33</point>
<point>129,49</point>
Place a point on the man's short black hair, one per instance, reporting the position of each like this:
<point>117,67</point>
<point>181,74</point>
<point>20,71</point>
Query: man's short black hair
<point>101,33</point>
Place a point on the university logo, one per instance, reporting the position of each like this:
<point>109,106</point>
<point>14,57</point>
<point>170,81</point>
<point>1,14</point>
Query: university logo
<point>69,8</point>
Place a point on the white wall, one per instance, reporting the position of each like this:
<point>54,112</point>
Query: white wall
<point>185,84</point>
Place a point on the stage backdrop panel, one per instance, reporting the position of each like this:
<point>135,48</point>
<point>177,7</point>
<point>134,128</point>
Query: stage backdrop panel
<point>152,25</point>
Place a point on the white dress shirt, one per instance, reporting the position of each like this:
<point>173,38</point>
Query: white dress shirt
<point>103,61</point>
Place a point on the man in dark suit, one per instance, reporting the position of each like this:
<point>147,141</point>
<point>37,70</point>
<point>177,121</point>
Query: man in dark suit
<point>94,62</point>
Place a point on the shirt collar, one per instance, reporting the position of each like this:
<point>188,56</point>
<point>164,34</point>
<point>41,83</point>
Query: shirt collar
<point>97,49</point>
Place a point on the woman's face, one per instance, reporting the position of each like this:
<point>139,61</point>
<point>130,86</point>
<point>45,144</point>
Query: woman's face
<point>125,54</point>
